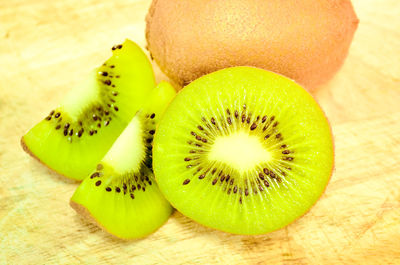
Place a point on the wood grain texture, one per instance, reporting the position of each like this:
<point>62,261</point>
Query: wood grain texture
<point>48,46</point>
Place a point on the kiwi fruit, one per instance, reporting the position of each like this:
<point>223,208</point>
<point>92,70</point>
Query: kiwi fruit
<point>121,194</point>
<point>74,136</point>
<point>305,40</point>
<point>243,150</point>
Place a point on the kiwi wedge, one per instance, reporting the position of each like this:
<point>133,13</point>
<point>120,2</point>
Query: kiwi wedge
<point>73,137</point>
<point>121,194</point>
<point>243,150</point>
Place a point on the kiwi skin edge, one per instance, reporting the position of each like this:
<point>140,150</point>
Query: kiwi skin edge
<point>28,151</point>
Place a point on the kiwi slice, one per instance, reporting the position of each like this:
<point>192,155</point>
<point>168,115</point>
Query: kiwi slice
<point>73,137</point>
<point>121,194</point>
<point>243,150</point>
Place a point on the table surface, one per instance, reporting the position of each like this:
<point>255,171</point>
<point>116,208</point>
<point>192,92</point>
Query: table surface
<point>48,46</point>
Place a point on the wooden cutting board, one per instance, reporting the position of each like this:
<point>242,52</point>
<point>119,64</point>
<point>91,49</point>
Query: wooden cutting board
<point>48,46</point>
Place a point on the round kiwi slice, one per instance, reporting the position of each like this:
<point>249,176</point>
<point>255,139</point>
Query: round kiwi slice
<point>243,150</point>
<point>121,194</point>
<point>73,137</point>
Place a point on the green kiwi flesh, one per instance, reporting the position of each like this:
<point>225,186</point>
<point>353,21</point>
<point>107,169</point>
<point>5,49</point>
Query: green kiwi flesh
<point>243,150</point>
<point>121,194</point>
<point>78,133</point>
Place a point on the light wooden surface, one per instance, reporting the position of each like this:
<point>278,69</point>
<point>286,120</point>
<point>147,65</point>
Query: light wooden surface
<point>48,46</point>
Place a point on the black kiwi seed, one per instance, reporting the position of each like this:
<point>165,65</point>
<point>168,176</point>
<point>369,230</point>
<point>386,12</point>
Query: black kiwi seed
<point>186,182</point>
<point>202,176</point>
<point>235,189</point>
<point>115,108</point>
<point>117,189</point>
<point>107,82</point>
<point>214,181</point>
<point>152,132</point>
<point>266,171</point>
<point>91,132</point>
<point>285,152</point>
<point>227,178</point>
<point>57,115</point>
<point>266,183</point>
<point>108,189</point>
<point>152,116</point>
<point>246,192</point>
<point>58,127</point>
<point>236,114</point>
<point>264,119</point>
<point>132,196</point>
<point>229,120</point>
<point>65,132</point>
<point>48,118</point>
<point>243,118</point>
<point>253,126</point>
<point>104,73</point>
<point>272,174</point>
<point>98,183</point>
<point>95,175</point>
<point>66,126</point>
<point>261,176</point>
<point>212,120</point>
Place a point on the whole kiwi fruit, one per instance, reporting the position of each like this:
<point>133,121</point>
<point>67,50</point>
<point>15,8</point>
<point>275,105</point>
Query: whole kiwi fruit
<point>305,40</point>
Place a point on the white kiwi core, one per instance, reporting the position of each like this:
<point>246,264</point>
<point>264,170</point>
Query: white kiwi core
<point>240,151</point>
<point>88,92</point>
<point>128,151</point>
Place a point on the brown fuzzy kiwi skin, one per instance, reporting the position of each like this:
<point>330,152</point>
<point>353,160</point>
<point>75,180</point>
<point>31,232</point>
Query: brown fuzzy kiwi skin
<point>28,151</point>
<point>305,40</point>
